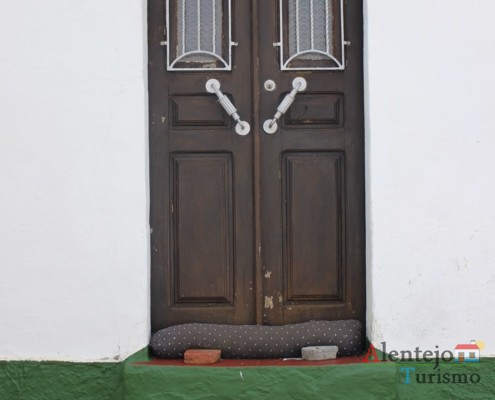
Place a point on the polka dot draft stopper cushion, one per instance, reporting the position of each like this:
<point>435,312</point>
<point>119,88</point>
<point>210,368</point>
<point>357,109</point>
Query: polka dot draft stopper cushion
<point>255,341</point>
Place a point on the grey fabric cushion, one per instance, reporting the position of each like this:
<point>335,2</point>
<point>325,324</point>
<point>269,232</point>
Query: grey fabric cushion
<point>255,341</point>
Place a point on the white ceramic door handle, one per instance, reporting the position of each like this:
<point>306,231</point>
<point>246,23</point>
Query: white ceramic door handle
<point>242,127</point>
<point>299,84</point>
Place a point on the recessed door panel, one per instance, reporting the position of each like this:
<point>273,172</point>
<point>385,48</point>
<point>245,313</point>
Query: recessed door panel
<point>197,111</point>
<point>313,226</point>
<point>316,110</point>
<point>202,229</point>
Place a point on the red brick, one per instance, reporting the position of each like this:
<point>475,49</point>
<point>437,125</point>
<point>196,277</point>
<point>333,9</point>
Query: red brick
<point>202,356</point>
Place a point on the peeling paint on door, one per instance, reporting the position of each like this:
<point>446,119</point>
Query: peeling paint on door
<point>269,302</point>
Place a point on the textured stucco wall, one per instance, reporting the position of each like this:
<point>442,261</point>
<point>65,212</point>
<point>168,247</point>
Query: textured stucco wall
<point>73,179</point>
<point>430,93</point>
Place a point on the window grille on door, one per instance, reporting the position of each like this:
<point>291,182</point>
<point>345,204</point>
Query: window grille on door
<point>311,35</point>
<point>199,35</point>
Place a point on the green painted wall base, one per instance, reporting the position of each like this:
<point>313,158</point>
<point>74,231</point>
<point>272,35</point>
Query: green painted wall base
<point>25,380</point>
<point>346,382</point>
<point>128,381</point>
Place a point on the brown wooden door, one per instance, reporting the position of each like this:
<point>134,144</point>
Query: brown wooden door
<point>263,228</point>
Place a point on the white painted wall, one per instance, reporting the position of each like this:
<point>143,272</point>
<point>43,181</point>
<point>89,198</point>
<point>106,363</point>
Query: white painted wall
<point>430,90</point>
<point>73,179</point>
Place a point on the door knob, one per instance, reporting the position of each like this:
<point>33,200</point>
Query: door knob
<point>242,127</point>
<point>299,84</point>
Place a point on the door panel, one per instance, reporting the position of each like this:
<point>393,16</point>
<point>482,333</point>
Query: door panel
<point>312,185</point>
<point>200,112</point>
<point>202,228</point>
<point>263,228</point>
<point>312,226</point>
<point>316,110</point>
<point>201,185</point>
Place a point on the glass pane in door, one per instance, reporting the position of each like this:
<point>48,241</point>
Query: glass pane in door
<point>198,35</point>
<point>311,34</point>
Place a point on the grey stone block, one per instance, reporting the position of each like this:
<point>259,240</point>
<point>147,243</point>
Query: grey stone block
<point>316,353</point>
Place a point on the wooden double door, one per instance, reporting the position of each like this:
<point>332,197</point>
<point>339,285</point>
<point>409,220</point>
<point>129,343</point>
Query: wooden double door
<point>258,224</point>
